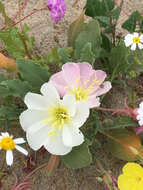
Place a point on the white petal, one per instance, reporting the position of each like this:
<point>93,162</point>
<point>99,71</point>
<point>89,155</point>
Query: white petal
<point>141,37</point>
<point>50,92</point>
<point>37,139</point>
<point>141,105</point>
<point>72,136</point>
<point>70,103</point>
<point>36,101</point>
<point>30,117</point>
<point>81,115</point>
<point>1,137</point>
<point>6,134</point>
<point>9,157</point>
<point>133,47</point>
<point>140,122</point>
<point>136,34</point>
<point>128,42</point>
<point>55,146</point>
<point>22,150</point>
<point>37,126</point>
<point>140,46</point>
<point>129,37</point>
<point>19,140</point>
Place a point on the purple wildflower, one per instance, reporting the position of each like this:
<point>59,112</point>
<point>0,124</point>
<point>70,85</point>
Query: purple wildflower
<point>57,9</point>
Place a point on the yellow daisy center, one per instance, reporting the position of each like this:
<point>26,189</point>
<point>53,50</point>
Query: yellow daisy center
<point>6,143</point>
<point>136,40</point>
<point>58,117</point>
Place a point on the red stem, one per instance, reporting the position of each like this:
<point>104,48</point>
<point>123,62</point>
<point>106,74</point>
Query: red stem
<point>33,12</point>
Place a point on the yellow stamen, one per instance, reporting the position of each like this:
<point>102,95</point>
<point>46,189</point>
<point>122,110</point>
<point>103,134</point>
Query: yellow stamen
<point>136,40</point>
<point>6,143</point>
<point>96,80</point>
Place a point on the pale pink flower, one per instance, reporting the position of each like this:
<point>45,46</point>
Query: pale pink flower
<point>83,81</point>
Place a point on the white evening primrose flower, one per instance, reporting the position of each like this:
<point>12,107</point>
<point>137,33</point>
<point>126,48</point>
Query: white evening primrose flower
<point>139,117</point>
<point>133,40</point>
<point>53,122</point>
<point>8,144</point>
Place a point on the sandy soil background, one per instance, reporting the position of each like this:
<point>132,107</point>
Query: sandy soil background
<point>48,35</point>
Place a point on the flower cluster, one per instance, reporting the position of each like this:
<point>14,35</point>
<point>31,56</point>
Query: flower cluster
<point>8,144</point>
<point>132,177</point>
<point>53,122</point>
<point>133,40</point>
<point>57,9</point>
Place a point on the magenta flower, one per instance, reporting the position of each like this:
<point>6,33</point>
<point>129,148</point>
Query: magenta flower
<point>57,9</point>
<point>82,81</point>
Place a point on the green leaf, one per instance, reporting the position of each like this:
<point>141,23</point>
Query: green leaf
<point>90,34</point>
<point>79,157</point>
<point>116,13</point>
<point>87,54</point>
<point>130,24</point>
<point>118,63</point>
<point>103,19</point>
<point>93,8</point>
<point>124,145</point>
<point>2,77</point>
<point>17,87</point>
<point>64,55</point>
<point>106,43</point>
<point>75,29</point>
<point>108,5</point>
<point>33,73</point>
<point>10,112</point>
<point>119,122</point>
<point>4,91</point>
<point>53,57</point>
<point>12,42</point>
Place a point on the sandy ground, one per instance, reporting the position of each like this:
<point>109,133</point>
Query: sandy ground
<point>48,35</point>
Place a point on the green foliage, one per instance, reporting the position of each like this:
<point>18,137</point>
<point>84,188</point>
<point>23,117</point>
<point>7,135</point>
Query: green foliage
<point>65,54</point>
<point>79,157</point>
<point>74,29</point>
<point>86,54</point>
<point>16,87</point>
<point>130,24</point>
<point>98,8</point>
<point>33,73</point>
<point>9,112</point>
<point>119,123</point>
<point>118,63</point>
<point>90,34</point>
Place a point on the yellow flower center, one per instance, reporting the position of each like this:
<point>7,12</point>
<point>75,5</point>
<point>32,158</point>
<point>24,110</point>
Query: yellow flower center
<point>136,40</point>
<point>138,178</point>
<point>6,143</point>
<point>80,94</point>
<point>58,116</point>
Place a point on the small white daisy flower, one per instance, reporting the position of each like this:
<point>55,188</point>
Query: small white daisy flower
<point>133,40</point>
<point>8,144</point>
<point>140,114</point>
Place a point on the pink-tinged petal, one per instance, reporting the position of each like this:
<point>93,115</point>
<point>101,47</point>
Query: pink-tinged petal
<point>93,102</point>
<point>59,83</point>
<point>85,71</point>
<point>139,130</point>
<point>104,88</point>
<point>71,73</point>
<point>97,78</point>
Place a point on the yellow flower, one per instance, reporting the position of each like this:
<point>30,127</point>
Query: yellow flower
<point>132,177</point>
